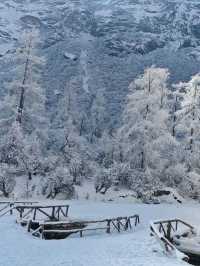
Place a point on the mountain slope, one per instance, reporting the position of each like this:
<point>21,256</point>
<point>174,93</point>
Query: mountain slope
<point>114,36</point>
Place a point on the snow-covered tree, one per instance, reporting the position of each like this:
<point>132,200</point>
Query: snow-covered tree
<point>25,98</point>
<point>97,115</point>
<point>21,151</point>
<point>68,129</point>
<point>145,116</point>
<point>31,159</point>
<point>148,144</point>
<point>188,125</point>
<point>23,121</point>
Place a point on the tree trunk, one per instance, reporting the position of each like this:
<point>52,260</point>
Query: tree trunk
<point>29,176</point>
<point>142,160</point>
<point>5,193</point>
<point>191,140</point>
<point>22,95</point>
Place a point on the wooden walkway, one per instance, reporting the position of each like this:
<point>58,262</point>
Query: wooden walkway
<point>52,222</point>
<point>62,229</point>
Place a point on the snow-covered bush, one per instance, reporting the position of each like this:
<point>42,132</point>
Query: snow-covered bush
<point>103,181</point>
<point>174,175</point>
<point>7,182</point>
<point>77,171</point>
<point>31,157</point>
<point>60,183</point>
<point>122,174</point>
<point>12,145</point>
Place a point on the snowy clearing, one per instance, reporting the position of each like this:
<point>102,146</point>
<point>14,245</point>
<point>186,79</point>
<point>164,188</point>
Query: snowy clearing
<point>136,248</point>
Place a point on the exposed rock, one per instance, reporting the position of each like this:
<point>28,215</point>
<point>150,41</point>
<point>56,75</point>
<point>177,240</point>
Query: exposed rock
<point>31,20</point>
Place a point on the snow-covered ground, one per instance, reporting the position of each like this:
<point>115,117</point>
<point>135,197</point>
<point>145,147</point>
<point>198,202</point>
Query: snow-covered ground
<point>137,248</point>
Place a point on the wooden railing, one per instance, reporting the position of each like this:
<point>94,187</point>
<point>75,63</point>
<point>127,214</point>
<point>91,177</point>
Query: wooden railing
<point>64,229</point>
<point>10,206</point>
<point>167,227</point>
<point>51,212</point>
<point>163,231</point>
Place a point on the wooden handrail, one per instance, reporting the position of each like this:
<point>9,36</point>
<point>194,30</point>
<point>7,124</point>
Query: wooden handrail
<point>174,220</point>
<point>166,242</point>
<point>9,210</point>
<point>94,221</point>
<point>42,206</point>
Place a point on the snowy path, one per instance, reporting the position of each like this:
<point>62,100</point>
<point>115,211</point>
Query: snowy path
<point>18,248</point>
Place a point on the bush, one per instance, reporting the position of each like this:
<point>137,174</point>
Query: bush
<point>61,182</point>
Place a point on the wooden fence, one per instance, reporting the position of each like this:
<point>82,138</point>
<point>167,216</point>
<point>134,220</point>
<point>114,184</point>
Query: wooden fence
<point>9,206</point>
<point>168,227</point>
<point>62,229</point>
<point>51,212</point>
<point>164,231</point>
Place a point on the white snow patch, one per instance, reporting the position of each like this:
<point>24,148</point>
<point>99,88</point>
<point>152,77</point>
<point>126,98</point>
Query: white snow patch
<point>70,56</point>
<point>85,73</point>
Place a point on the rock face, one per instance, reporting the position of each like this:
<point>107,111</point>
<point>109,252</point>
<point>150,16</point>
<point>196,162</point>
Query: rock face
<point>119,38</point>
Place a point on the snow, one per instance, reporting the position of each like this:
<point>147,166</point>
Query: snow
<point>85,74</point>
<point>70,56</point>
<point>137,248</point>
<point>87,191</point>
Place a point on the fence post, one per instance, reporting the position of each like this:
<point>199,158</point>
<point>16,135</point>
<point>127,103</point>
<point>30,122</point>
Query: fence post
<point>67,208</point>
<point>81,233</point>
<point>11,205</point>
<point>108,226</point>
<point>29,226</point>
<point>42,229</point>
<point>118,225</point>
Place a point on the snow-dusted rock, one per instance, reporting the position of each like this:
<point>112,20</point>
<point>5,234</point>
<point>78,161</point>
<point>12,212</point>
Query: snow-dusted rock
<point>70,56</point>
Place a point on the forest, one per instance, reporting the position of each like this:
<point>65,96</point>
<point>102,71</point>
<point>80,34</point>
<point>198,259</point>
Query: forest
<point>154,145</point>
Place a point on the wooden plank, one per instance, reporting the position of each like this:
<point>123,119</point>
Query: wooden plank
<point>17,202</point>
<point>108,226</point>
<point>41,206</point>
<point>174,220</point>
<point>27,213</point>
<point>34,214</point>
<point>57,222</point>
<point>6,212</point>
<point>36,231</point>
<point>114,225</point>
<point>73,230</point>
<point>43,212</point>
<point>6,206</point>
<point>108,221</point>
<point>67,210</point>
<point>61,210</point>
<point>53,214</point>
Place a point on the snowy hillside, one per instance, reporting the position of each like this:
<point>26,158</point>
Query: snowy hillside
<point>99,92</point>
<point>117,36</point>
